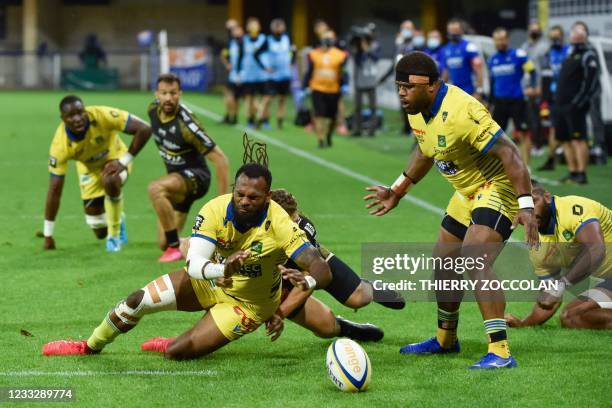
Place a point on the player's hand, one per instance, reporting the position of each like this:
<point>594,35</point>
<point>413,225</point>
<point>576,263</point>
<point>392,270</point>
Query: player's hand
<point>297,278</point>
<point>383,197</point>
<point>526,218</point>
<point>49,243</point>
<point>513,321</point>
<point>113,168</point>
<point>234,262</point>
<point>224,282</point>
<point>275,326</point>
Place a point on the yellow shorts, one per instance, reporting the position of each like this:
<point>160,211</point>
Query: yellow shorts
<point>497,196</point>
<point>233,317</point>
<point>90,182</point>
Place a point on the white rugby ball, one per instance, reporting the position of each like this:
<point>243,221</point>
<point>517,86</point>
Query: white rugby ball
<point>348,366</point>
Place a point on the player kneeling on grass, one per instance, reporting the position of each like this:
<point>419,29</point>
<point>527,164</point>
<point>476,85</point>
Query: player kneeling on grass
<point>183,144</point>
<point>576,234</point>
<point>89,135</point>
<point>253,235</point>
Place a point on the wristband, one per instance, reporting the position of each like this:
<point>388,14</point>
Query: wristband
<point>126,159</point>
<point>525,202</point>
<point>48,228</point>
<point>212,270</point>
<point>310,282</point>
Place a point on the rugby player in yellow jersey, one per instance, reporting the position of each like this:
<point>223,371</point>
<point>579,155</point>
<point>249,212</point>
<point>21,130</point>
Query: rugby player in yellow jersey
<point>492,195</point>
<point>253,235</point>
<point>576,237</point>
<point>90,136</point>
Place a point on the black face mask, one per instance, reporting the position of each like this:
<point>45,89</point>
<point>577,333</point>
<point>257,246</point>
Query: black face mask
<point>556,43</point>
<point>277,36</point>
<point>534,35</point>
<point>328,42</point>
<point>455,38</point>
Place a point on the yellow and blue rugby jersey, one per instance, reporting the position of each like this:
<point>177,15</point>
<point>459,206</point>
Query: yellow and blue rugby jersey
<point>271,242</point>
<point>100,144</point>
<point>457,133</point>
<point>559,245</point>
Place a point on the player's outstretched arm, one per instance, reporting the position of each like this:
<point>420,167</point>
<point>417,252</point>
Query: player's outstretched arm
<point>387,198</point>
<point>544,309</point>
<point>310,260</point>
<point>141,132</point>
<point>221,163</point>
<point>56,185</point>
<point>516,170</point>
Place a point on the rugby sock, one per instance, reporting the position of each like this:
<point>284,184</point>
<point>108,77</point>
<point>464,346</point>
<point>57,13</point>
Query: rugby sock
<point>102,335</point>
<point>113,207</point>
<point>447,328</point>
<point>172,238</point>
<point>496,331</point>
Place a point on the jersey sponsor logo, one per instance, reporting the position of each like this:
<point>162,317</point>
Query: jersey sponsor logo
<point>310,229</point>
<point>250,270</point>
<point>503,69</point>
<point>418,132</point>
<point>99,139</point>
<point>97,157</point>
<point>454,62</point>
<point>446,167</point>
<point>441,141</point>
<point>198,222</point>
<point>172,129</point>
<point>170,159</point>
<point>114,113</point>
<point>257,246</point>
<point>444,116</point>
<point>267,226</point>
<point>567,235</point>
<point>52,161</point>
<point>170,145</point>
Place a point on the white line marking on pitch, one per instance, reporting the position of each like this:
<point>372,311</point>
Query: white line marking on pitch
<point>330,165</point>
<point>201,373</point>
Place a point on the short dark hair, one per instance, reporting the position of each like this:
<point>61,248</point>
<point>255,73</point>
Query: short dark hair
<point>169,78</point>
<point>583,24</point>
<point>253,171</point>
<point>556,27</point>
<point>499,30</point>
<point>286,200</point>
<point>66,100</point>
<point>537,187</point>
<point>416,63</point>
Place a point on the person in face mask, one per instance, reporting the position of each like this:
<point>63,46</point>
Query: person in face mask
<point>461,61</point>
<point>325,77</point>
<point>536,47</point>
<point>419,41</point>
<point>254,70</point>
<point>434,46</point>
<point>578,81</point>
<point>551,65</point>
<point>507,68</point>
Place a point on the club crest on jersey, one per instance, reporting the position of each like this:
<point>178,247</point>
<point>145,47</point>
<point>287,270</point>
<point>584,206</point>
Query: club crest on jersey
<point>567,235</point>
<point>257,246</point>
<point>444,116</point>
<point>441,141</point>
<point>99,139</point>
<point>446,167</point>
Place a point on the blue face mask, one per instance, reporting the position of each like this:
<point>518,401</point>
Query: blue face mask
<point>433,43</point>
<point>407,34</point>
<point>418,41</point>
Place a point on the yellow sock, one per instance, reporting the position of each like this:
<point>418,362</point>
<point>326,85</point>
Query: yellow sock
<point>500,348</point>
<point>113,207</point>
<point>446,337</point>
<point>102,335</point>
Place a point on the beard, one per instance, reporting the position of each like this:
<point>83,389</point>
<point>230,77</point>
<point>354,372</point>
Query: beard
<point>544,219</point>
<point>249,219</point>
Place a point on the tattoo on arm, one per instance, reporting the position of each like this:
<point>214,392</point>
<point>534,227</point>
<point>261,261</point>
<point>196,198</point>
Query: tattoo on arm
<point>307,257</point>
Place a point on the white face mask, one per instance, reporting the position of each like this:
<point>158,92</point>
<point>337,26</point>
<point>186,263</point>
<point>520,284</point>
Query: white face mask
<point>433,43</point>
<point>406,33</point>
<point>418,41</point>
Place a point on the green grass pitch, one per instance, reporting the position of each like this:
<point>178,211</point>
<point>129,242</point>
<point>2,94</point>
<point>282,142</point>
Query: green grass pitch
<point>65,293</point>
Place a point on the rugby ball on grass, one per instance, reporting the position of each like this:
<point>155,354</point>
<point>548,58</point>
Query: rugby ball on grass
<point>348,366</point>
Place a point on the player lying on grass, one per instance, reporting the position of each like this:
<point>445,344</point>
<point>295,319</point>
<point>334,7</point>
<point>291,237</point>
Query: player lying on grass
<point>89,135</point>
<point>252,235</point>
<point>455,132</point>
<point>183,145</point>
<point>576,236</point>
